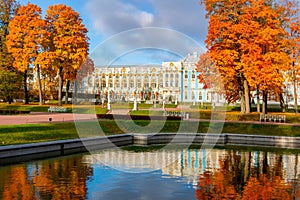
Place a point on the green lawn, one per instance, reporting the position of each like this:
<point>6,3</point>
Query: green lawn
<point>19,134</point>
<point>84,109</point>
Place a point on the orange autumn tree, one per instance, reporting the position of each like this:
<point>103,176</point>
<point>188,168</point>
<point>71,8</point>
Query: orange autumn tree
<point>26,31</point>
<point>264,59</point>
<point>223,43</point>
<point>45,62</point>
<point>210,77</point>
<point>292,23</point>
<point>68,40</point>
<point>245,41</point>
<point>86,68</point>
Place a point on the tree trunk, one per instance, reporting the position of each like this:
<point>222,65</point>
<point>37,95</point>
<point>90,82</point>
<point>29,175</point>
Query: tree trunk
<point>282,104</point>
<point>265,167</point>
<point>258,101</point>
<point>25,88</point>
<point>60,78</point>
<point>67,91</point>
<point>243,107</point>
<point>247,97</point>
<point>9,99</point>
<point>75,93</point>
<point>40,85</point>
<point>265,103</point>
<point>295,90</point>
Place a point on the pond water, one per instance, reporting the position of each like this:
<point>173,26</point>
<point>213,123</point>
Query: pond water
<point>166,174</point>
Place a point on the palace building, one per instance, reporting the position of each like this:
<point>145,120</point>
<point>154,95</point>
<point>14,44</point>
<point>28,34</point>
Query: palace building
<point>171,81</point>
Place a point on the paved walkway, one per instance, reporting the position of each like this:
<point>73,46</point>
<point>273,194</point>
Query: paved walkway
<point>39,117</point>
<point>44,117</point>
<point>119,111</point>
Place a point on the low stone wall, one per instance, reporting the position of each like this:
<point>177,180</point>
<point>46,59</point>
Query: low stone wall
<point>137,117</point>
<point>264,141</point>
<point>19,153</point>
<point>219,139</point>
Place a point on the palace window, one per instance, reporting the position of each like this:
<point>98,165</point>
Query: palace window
<point>200,96</point>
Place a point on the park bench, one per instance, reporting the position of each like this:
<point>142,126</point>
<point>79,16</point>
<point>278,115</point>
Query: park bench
<point>175,113</point>
<point>57,109</point>
<point>272,118</point>
<point>19,100</point>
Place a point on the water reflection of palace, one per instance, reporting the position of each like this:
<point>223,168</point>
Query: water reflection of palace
<point>193,162</point>
<point>214,174</point>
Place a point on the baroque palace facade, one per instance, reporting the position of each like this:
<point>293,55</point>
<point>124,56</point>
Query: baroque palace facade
<point>171,81</point>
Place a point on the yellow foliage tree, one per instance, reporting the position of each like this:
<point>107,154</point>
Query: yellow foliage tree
<point>68,41</point>
<point>24,40</point>
<point>246,42</point>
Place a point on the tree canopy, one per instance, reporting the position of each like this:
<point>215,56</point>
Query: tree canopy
<point>247,43</point>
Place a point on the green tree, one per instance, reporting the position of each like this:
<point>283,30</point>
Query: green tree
<point>9,85</point>
<point>7,8</point>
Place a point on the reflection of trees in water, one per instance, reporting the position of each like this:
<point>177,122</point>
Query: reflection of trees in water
<point>60,179</point>
<point>19,186</point>
<point>238,178</point>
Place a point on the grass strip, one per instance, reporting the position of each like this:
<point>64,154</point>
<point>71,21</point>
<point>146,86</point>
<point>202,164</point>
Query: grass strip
<point>29,133</point>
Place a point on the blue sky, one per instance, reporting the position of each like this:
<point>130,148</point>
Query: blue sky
<point>106,18</point>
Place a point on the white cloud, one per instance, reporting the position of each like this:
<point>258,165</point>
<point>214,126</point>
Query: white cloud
<point>186,16</point>
<point>110,17</point>
<point>144,39</point>
<point>113,16</point>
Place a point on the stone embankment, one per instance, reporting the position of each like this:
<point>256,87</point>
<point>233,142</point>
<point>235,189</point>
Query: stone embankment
<point>19,153</point>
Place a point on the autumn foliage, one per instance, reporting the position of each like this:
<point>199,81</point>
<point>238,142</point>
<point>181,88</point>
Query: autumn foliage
<point>231,181</point>
<point>247,42</point>
<point>57,42</point>
<point>65,179</point>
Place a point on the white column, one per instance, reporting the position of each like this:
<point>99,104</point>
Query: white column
<point>127,80</point>
<point>106,81</point>
<point>113,81</point>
